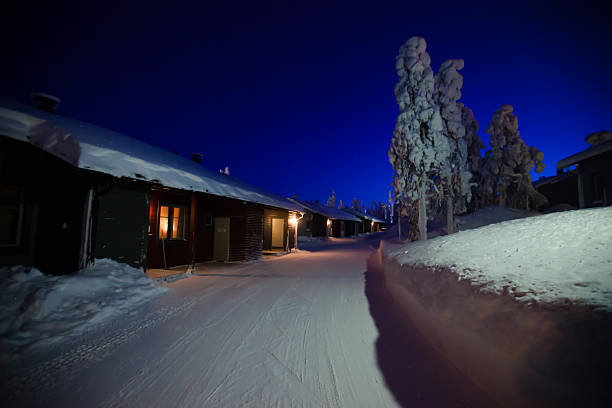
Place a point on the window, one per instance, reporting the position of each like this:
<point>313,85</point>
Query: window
<point>171,222</point>
<point>11,216</point>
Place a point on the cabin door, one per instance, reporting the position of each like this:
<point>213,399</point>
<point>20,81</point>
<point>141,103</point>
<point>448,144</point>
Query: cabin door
<point>278,229</point>
<point>222,239</point>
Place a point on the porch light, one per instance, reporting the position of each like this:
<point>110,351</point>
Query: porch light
<point>293,220</point>
<point>328,222</point>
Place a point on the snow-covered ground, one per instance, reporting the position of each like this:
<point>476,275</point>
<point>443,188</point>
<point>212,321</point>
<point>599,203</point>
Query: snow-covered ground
<point>289,331</point>
<point>38,310</point>
<point>549,258</point>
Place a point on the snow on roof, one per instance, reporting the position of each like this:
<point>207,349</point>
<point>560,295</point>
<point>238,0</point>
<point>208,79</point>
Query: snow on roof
<point>113,153</point>
<point>364,215</point>
<point>327,211</point>
<point>553,179</point>
<point>585,154</point>
<point>547,258</point>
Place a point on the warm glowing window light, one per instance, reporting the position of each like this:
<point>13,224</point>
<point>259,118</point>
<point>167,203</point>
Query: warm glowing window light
<point>163,221</point>
<point>171,222</point>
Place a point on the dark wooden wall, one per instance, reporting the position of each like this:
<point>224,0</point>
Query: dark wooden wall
<point>53,202</point>
<point>601,166</point>
<point>564,191</point>
<point>121,222</point>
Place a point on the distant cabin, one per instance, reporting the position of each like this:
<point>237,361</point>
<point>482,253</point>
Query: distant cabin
<point>72,192</point>
<point>583,179</point>
<point>325,221</point>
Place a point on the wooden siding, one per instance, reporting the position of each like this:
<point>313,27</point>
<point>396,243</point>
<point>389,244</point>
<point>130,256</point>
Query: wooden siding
<point>121,223</point>
<point>53,197</point>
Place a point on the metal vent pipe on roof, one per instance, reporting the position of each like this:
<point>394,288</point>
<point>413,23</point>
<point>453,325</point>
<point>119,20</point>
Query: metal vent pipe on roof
<point>196,157</point>
<point>45,102</point>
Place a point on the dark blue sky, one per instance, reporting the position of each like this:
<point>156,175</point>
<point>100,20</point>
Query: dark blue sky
<point>298,98</point>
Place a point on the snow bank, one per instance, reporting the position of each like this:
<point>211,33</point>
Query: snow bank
<point>38,310</point>
<point>521,307</point>
<point>490,215</point>
<point>550,258</point>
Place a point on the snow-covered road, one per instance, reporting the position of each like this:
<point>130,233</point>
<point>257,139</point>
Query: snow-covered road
<point>290,331</point>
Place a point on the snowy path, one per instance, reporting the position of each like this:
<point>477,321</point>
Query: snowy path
<point>295,331</point>
<point>292,331</point>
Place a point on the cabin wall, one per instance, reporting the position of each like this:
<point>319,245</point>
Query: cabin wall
<point>564,191</point>
<point>245,237</point>
<point>349,228</point>
<point>319,225</point>
<point>174,251</point>
<point>120,215</point>
<point>596,174</point>
<point>44,198</point>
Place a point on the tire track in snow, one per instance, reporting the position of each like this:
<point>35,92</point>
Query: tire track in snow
<point>43,377</point>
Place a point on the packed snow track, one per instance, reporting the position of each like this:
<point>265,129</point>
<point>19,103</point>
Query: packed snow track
<point>292,331</point>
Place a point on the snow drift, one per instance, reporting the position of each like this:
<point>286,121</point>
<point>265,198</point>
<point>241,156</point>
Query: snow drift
<point>38,309</point>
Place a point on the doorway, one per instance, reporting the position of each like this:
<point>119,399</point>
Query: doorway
<point>278,233</point>
<point>222,239</point>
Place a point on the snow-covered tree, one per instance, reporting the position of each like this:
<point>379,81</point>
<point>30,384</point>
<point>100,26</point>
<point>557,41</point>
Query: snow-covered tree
<point>331,201</point>
<point>418,148</point>
<point>356,204</point>
<point>455,176</point>
<point>341,205</point>
<point>507,166</point>
<point>474,158</point>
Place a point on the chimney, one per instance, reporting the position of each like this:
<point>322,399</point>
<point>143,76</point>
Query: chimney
<point>44,102</point>
<point>196,157</point>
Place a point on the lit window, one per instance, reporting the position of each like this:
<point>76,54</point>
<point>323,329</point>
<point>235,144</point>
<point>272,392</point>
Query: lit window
<point>11,214</point>
<point>171,222</point>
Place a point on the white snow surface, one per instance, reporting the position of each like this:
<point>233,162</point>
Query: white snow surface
<point>292,331</point>
<point>549,258</point>
<point>38,310</point>
<point>113,153</point>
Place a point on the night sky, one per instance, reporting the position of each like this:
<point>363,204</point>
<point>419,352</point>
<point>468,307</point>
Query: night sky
<point>298,98</point>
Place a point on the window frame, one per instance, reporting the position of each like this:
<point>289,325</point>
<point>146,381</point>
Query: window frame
<point>20,212</point>
<point>171,210</point>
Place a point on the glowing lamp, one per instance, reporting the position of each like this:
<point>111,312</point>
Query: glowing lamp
<point>293,221</point>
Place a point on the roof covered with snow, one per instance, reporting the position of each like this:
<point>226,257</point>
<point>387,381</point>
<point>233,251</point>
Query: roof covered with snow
<point>326,211</point>
<point>112,153</point>
<point>592,151</point>
<point>364,215</point>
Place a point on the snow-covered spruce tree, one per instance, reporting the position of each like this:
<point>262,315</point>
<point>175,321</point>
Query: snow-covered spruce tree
<point>331,201</point>
<point>341,205</point>
<point>418,148</point>
<point>474,158</point>
<point>508,163</point>
<point>455,176</point>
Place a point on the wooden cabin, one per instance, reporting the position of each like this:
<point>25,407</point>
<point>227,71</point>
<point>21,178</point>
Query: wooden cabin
<point>73,192</point>
<point>593,169</point>
<point>367,223</point>
<point>325,221</point>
